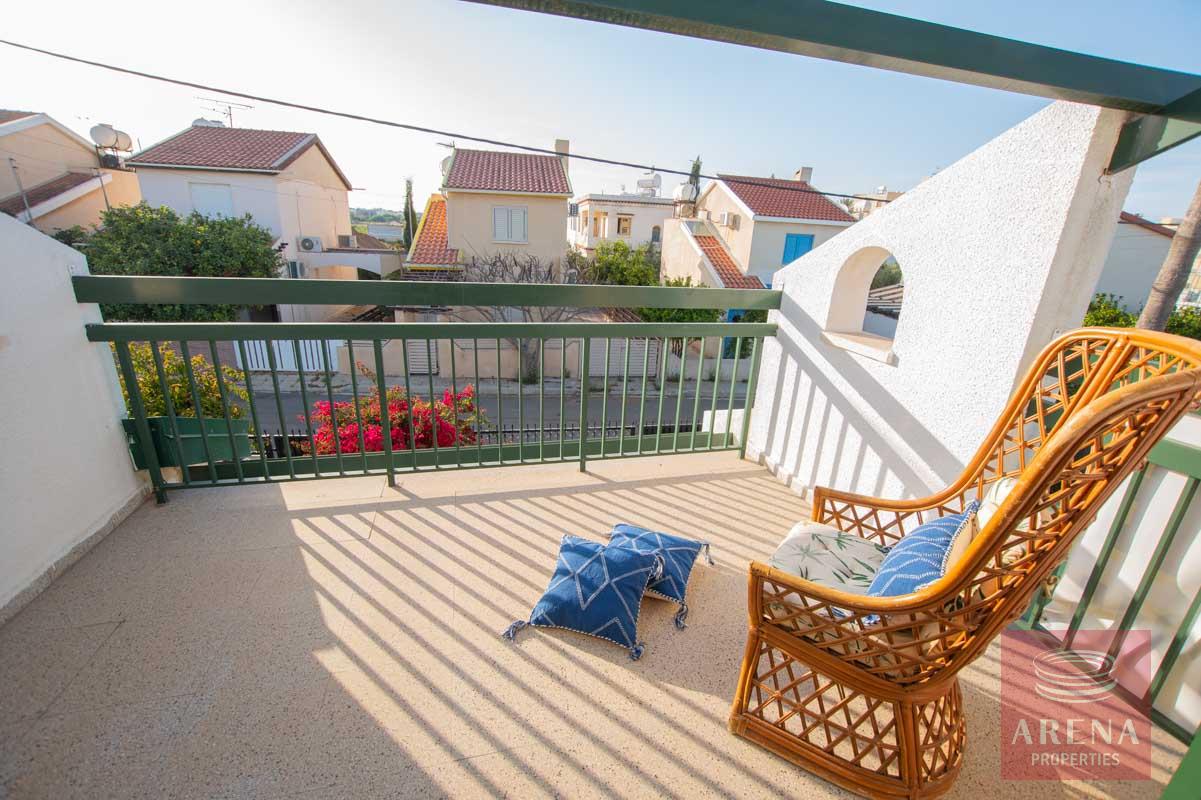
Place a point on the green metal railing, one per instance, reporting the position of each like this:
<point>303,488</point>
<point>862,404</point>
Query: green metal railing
<point>679,401</point>
<point>1173,456</point>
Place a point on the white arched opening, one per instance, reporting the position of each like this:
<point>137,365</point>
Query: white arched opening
<point>866,304</point>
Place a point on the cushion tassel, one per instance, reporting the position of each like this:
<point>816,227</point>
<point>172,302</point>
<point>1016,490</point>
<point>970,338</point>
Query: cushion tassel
<point>637,650</point>
<point>682,615</point>
<point>511,631</point>
<point>708,555</point>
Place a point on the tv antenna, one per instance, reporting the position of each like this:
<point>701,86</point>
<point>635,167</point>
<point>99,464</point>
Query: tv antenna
<point>223,107</point>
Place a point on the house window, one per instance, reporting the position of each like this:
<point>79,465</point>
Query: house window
<point>509,224</point>
<point>212,199</point>
<point>656,234</point>
<point>584,223</point>
<point>600,225</point>
<point>623,225</point>
<point>795,246</point>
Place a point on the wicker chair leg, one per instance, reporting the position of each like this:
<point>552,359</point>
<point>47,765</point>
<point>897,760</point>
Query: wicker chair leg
<point>875,747</point>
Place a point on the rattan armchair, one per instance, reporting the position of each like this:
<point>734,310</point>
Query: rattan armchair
<point>876,707</point>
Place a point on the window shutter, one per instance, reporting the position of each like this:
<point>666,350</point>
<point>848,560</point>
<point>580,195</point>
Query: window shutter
<point>517,224</point>
<point>500,224</point>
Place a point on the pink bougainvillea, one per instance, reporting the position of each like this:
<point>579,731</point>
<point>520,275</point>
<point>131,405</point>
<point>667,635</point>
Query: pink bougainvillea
<point>454,417</point>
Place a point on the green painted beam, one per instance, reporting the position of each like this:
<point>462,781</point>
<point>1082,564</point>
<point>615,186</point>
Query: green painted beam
<point>854,35</point>
<point>1177,457</point>
<point>1187,778</point>
<point>269,291</point>
<point>367,331</point>
<point>838,32</point>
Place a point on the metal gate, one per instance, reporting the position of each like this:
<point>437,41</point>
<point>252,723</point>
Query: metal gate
<point>310,350</point>
<point>617,354</point>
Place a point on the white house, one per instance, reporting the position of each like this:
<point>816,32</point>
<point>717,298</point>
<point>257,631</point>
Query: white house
<point>741,229</point>
<point>1138,251</point>
<point>287,181</point>
<point>635,219</point>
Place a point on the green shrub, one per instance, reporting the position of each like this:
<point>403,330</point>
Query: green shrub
<point>203,374</point>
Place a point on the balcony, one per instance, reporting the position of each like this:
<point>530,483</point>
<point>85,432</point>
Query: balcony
<point>299,622</point>
<point>339,639</point>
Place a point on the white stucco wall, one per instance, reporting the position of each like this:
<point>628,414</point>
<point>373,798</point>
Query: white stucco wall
<point>1133,262</point>
<point>1000,250</point>
<point>253,194</point>
<point>65,472</point>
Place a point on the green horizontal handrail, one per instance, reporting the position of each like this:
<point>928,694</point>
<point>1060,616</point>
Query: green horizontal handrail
<point>269,291</point>
<point>366,331</point>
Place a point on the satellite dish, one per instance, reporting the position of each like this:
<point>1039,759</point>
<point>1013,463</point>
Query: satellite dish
<point>104,135</point>
<point>124,142</point>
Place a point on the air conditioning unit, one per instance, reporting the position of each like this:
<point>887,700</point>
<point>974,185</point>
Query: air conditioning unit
<point>729,219</point>
<point>309,244</point>
<point>295,269</point>
<point>345,240</point>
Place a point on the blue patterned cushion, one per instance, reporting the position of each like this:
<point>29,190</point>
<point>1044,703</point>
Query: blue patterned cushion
<point>920,558</point>
<point>595,590</point>
<point>678,553</point>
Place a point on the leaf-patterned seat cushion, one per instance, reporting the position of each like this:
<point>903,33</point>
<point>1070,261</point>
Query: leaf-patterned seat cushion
<point>823,554</point>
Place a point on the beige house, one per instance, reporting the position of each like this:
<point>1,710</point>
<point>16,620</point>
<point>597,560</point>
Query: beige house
<point>742,229</point>
<point>53,177</point>
<point>286,181</point>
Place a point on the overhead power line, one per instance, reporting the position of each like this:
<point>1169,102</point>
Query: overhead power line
<point>411,127</point>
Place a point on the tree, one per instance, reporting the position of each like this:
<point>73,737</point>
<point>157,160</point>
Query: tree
<point>410,216</point>
<point>616,263</point>
<point>1173,275</point>
<point>1107,310</point>
<point>140,240</point>
<point>516,268</point>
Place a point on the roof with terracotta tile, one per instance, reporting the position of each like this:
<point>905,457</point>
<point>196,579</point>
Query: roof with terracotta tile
<point>727,271</point>
<point>1135,219</point>
<point>10,115</point>
<point>775,197</point>
<point>14,204</point>
<point>495,171</point>
<point>240,149</point>
<point>430,243</point>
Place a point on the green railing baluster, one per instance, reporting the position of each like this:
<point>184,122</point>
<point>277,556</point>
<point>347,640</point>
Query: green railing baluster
<point>199,409</point>
<point>584,381</point>
<point>434,418</point>
<point>358,412</point>
<point>605,397</point>
<point>385,418</point>
<point>1111,540</point>
<point>696,402</point>
<point>479,428</point>
<point>1161,551</point>
<point>541,400</point>
<point>333,413</point>
<point>646,372</point>
<point>662,382</point>
<point>675,439</point>
<point>733,384</point>
<point>279,408</point>
<point>254,414</point>
<point>713,400</point>
<point>562,398</point>
<point>165,388</point>
<point>500,412</point>
<point>454,405</point>
<point>404,359</point>
<point>308,417</point>
<point>625,391</point>
<point>752,383</point>
<point>138,410</point>
<point>229,423</point>
<point>1174,649</point>
<point>520,403</point>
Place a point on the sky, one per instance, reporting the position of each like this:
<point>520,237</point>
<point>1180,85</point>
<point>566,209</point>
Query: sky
<point>621,93</point>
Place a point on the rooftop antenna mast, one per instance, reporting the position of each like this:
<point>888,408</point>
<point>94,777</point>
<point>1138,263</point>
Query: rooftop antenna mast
<point>223,107</point>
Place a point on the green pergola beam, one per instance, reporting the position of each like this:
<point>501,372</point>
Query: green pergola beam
<point>837,32</point>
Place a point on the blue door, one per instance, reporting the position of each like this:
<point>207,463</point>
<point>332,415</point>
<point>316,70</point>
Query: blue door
<point>796,245</point>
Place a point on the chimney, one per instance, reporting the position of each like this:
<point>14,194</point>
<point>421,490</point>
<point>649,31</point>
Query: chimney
<point>563,147</point>
<point>803,174</point>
